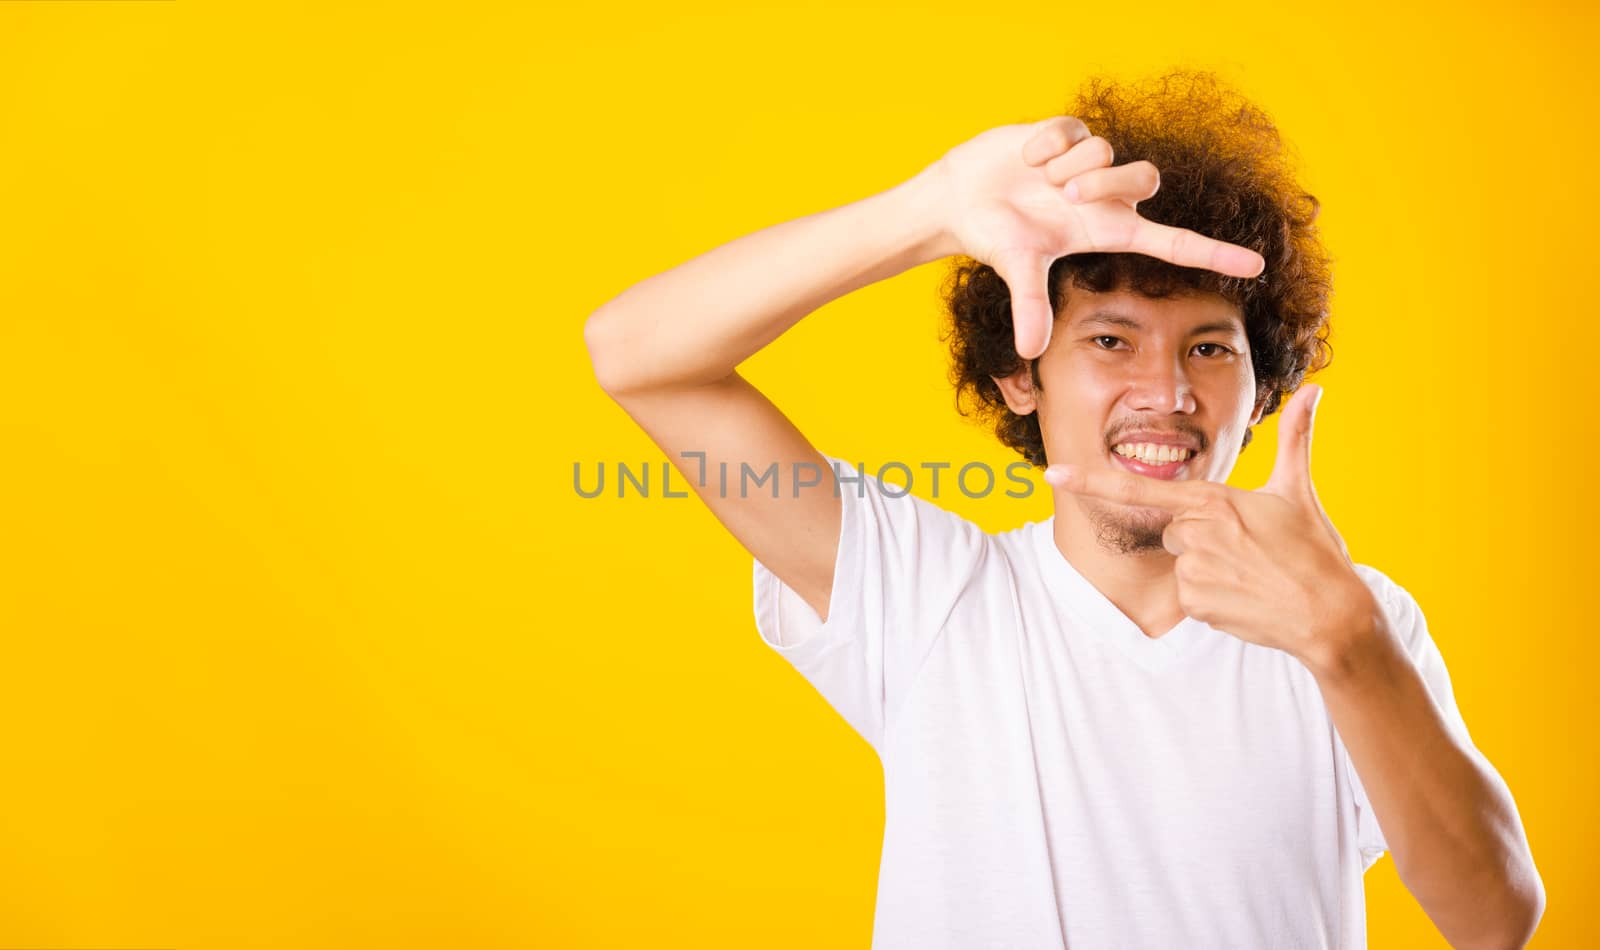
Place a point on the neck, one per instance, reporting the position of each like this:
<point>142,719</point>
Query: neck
<point>1141,584</point>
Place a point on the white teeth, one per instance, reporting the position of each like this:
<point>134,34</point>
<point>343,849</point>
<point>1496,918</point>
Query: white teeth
<point>1152,454</point>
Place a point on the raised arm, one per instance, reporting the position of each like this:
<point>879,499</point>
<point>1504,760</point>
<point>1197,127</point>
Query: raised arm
<point>695,323</point>
<point>667,349</point>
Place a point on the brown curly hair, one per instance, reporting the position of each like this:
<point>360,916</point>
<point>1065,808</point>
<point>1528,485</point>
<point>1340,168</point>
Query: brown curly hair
<point>1226,174</point>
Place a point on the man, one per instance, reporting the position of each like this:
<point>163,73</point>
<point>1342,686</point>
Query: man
<point>1175,714</point>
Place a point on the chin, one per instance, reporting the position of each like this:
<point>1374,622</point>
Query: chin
<point>1128,529</point>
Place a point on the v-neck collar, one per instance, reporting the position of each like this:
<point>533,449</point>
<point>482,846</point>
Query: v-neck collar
<point>1102,617</point>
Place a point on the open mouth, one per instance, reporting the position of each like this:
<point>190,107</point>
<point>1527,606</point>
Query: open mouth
<point>1169,469</point>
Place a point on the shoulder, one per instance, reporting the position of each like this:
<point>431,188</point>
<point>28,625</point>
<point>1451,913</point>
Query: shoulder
<point>897,506</point>
<point>900,548</point>
<point>1382,585</point>
<point>1402,609</point>
<point>1408,623</point>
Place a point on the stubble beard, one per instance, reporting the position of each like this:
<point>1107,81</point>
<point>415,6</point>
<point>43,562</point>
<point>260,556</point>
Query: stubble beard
<point>1125,529</point>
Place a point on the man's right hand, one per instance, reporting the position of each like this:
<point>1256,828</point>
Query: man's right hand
<point>1005,198</point>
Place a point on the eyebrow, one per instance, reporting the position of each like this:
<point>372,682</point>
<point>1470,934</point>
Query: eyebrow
<point>1109,319</point>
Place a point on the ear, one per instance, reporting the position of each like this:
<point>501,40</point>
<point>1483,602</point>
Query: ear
<point>1261,407</point>
<point>1018,390</point>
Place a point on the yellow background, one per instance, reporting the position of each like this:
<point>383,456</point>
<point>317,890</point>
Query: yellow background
<point>308,640</point>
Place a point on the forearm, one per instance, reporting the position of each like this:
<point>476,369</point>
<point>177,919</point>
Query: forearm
<point>1449,819</point>
<point>697,322</point>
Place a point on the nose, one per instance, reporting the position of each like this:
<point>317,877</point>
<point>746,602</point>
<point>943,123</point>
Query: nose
<point>1161,384</point>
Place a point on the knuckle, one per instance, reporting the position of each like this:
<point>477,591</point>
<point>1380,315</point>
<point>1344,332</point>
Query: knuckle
<point>1186,569</point>
<point>1057,171</point>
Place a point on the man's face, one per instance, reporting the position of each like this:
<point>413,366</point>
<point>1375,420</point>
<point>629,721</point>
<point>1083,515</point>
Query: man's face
<point>1129,371</point>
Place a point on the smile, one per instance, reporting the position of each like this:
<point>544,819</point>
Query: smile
<point>1164,470</point>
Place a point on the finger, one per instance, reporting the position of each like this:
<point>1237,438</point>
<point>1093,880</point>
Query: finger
<point>1027,276</point>
<point>1052,137</point>
<point>1133,183</point>
<point>1291,471</point>
<point>1091,152</point>
<point>1129,489</point>
<point>1172,536</point>
<point>1188,249</point>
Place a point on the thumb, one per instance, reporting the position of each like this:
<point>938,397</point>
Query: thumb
<point>1291,475</point>
<point>1027,276</point>
<point>1291,472</point>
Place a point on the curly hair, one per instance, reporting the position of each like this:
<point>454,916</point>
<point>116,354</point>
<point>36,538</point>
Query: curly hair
<point>1225,174</point>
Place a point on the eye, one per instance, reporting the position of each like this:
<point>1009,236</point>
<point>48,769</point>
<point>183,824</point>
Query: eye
<point>1097,339</point>
<point>1217,345</point>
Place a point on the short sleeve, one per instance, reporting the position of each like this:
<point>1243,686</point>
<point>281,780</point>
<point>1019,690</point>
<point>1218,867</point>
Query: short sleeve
<point>902,563</point>
<point>1405,617</point>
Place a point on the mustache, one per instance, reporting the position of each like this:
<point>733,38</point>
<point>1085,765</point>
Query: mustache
<point>1193,435</point>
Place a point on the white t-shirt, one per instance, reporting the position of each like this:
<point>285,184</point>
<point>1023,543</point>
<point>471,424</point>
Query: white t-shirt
<point>1055,778</point>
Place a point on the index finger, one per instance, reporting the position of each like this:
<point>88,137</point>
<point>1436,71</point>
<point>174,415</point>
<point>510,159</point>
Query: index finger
<point>1052,137</point>
<point>1128,488</point>
<point>1189,249</point>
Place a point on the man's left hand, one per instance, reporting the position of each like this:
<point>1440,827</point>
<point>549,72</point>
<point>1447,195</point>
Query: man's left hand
<point>1266,566</point>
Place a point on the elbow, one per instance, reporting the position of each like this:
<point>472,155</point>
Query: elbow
<point>1525,911</point>
<point>628,361</point>
<point>603,355</point>
<point>1527,890</point>
<point>1533,912</point>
